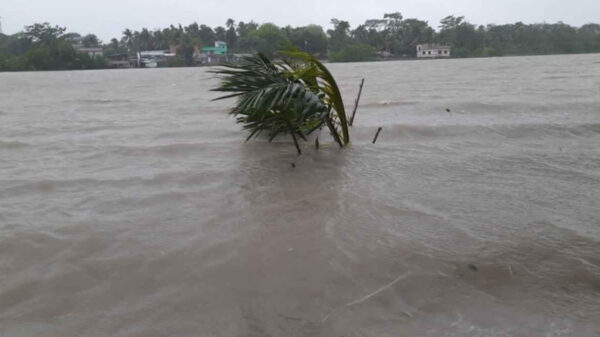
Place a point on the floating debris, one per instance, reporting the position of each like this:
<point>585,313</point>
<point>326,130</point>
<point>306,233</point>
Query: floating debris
<point>377,135</point>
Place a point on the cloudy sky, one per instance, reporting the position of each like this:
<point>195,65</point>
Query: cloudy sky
<point>108,18</point>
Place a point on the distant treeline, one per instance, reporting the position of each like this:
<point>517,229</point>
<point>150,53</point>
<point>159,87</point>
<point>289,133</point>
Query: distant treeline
<point>46,47</point>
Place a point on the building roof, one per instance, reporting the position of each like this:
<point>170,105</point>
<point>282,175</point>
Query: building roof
<point>426,46</point>
<point>117,55</point>
<point>219,45</point>
<point>88,50</point>
<point>155,53</point>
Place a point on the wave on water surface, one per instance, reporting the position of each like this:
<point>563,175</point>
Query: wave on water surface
<point>133,208</point>
<point>12,144</point>
<point>495,131</point>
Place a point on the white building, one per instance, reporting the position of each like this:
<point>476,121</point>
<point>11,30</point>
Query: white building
<point>433,50</point>
<point>151,58</point>
<point>92,52</point>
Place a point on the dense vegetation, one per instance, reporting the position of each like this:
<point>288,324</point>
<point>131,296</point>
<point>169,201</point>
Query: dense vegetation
<point>392,35</point>
<point>45,47</point>
<point>42,46</point>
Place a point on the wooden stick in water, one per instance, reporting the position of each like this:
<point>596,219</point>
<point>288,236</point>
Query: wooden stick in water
<point>356,102</point>
<point>377,135</point>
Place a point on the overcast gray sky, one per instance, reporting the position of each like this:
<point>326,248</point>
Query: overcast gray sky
<point>108,18</point>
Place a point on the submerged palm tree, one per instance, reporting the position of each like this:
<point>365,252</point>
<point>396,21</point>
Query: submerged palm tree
<point>295,96</point>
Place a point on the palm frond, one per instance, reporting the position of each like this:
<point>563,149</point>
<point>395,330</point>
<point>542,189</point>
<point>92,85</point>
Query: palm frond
<point>295,96</point>
<point>329,87</point>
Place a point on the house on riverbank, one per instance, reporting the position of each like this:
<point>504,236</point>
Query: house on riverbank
<point>220,48</point>
<point>152,58</point>
<point>120,60</point>
<point>214,55</point>
<point>92,52</point>
<point>433,50</point>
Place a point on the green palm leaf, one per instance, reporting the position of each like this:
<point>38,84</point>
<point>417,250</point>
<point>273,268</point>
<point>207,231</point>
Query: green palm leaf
<point>295,96</point>
<point>329,87</point>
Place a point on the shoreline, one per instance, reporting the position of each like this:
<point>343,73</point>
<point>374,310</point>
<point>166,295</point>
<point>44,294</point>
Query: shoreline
<point>395,59</point>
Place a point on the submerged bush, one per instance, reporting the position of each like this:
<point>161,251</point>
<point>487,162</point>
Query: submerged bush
<point>295,96</point>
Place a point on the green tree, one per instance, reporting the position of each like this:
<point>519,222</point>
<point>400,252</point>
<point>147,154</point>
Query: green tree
<point>352,53</point>
<point>90,40</point>
<point>370,34</point>
<point>44,33</point>
<point>414,32</point>
<point>462,35</point>
<point>114,47</point>
<point>244,29</point>
<point>207,36</point>
<point>231,34</point>
<point>311,39</point>
<point>220,33</point>
<point>72,37</point>
<point>339,36</point>
<point>3,62</point>
<point>143,39</point>
<point>588,38</point>
<point>185,50</point>
<point>59,56</point>
<point>17,44</point>
<point>268,39</point>
<point>244,42</point>
<point>128,41</point>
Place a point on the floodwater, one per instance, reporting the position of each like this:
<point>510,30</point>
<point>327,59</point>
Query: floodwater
<point>131,206</point>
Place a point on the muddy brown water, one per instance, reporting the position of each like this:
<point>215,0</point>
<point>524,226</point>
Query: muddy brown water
<point>130,206</point>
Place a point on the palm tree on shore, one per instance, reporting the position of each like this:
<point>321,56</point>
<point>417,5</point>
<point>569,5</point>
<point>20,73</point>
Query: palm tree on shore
<point>128,39</point>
